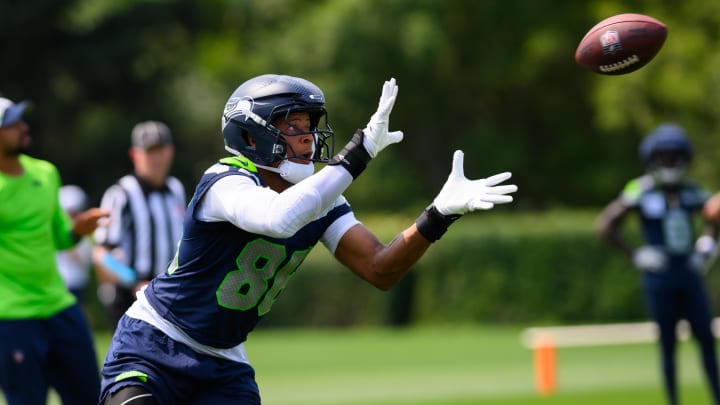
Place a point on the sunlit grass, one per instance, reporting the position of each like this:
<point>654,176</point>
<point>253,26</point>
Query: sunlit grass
<point>450,365</point>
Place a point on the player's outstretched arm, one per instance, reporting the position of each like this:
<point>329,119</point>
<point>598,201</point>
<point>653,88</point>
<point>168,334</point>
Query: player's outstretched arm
<point>384,265</point>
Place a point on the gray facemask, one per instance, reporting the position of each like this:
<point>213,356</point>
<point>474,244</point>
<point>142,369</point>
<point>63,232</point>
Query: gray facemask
<point>669,176</point>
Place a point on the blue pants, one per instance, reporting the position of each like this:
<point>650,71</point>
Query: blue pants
<point>174,373</point>
<point>57,352</point>
<point>680,294</point>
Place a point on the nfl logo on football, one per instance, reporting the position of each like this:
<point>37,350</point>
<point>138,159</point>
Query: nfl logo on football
<point>610,42</point>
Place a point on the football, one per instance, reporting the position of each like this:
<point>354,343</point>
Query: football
<point>621,44</point>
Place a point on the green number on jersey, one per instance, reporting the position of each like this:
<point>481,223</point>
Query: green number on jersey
<point>247,286</point>
<point>678,232</point>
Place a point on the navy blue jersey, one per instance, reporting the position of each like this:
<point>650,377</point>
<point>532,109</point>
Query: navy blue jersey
<point>666,221</point>
<point>224,278</point>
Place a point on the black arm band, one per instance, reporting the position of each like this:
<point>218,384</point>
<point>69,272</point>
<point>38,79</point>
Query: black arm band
<point>432,224</point>
<point>353,157</point>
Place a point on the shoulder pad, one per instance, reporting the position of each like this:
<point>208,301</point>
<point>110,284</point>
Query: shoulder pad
<point>636,187</point>
<point>241,162</point>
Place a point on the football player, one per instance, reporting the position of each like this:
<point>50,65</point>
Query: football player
<point>672,260</point>
<point>252,220</point>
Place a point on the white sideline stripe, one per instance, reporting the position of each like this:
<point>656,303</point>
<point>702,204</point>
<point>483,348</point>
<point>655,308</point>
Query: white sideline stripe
<point>596,335</point>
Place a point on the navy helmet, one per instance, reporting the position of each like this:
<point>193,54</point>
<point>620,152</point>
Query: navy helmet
<point>667,137</point>
<point>665,152</point>
<point>256,104</point>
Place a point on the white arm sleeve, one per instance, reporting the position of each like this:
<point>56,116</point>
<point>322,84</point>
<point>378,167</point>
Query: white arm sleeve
<point>333,234</point>
<point>238,200</point>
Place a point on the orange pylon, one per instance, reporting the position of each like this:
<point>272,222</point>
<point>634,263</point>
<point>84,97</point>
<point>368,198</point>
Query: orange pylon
<point>545,367</point>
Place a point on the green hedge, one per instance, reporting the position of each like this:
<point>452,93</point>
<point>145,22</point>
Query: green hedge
<point>499,267</point>
<point>541,268</point>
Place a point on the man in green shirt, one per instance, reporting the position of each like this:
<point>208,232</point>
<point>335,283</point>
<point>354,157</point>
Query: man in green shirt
<point>45,340</point>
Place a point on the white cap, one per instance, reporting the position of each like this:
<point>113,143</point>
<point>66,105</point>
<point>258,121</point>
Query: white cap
<point>11,112</point>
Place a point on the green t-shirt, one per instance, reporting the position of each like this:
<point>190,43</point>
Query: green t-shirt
<point>33,227</point>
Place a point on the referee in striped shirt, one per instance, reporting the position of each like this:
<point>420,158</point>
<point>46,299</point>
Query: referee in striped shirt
<point>145,223</point>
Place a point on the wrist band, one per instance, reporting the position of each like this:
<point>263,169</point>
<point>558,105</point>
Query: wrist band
<point>432,224</point>
<point>353,157</point>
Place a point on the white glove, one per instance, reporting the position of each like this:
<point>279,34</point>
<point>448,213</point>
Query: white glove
<point>376,132</point>
<point>649,258</point>
<point>705,250</point>
<point>460,195</point>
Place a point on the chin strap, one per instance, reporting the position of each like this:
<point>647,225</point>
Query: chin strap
<point>268,168</point>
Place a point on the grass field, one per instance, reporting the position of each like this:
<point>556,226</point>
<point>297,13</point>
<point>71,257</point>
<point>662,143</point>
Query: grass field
<point>450,366</point>
<point>473,365</point>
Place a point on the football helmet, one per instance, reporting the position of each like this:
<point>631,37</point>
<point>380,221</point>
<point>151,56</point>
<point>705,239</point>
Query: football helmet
<point>666,152</point>
<point>256,104</point>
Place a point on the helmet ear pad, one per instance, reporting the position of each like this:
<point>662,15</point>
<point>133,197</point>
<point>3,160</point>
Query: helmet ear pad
<point>261,144</point>
<point>267,143</point>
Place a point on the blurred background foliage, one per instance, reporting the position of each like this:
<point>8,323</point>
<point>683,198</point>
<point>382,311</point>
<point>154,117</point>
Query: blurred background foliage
<point>496,78</point>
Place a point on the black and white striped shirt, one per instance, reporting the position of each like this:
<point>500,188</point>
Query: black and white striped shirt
<point>145,223</point>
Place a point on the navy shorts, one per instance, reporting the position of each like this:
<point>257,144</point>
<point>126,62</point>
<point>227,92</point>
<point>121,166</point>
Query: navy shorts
<point>57,352</point>
<point>140,354</point>
<point>679,294</point>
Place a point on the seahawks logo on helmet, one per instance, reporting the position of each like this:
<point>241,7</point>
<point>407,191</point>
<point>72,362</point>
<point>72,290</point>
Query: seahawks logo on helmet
<point>242,106</point>
<point>239,106</point>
